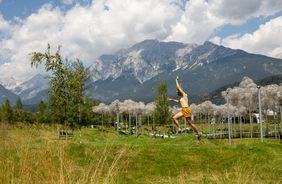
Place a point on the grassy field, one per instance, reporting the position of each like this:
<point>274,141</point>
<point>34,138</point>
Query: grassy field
<point>34,154</point>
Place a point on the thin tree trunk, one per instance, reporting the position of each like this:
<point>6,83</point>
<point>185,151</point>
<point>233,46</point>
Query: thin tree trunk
<point>129,126</point>
<point>278,128</point>
<point>209,123</point>
<point>102,121</point>
<point>275,125</point>
<point>234,125</point>
<point>266,124</point>
<point>140,123</point>
<point>153,125</point>
<point>241,135</point>
<point>231,130</point>
<point>118,122</point>
<point>213,126</point>
<point>231,125</point>
<point>136,128</point>
<point>148,124</point>
<point>251,125</point>
<point>220,121</point>
<point>126,122</point>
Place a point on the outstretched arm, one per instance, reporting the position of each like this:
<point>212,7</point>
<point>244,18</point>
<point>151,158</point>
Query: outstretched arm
<point>179,88</point>
<point>173,100</point>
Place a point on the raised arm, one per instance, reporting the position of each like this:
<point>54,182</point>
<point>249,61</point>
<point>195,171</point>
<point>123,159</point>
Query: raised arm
<point>178,87</point>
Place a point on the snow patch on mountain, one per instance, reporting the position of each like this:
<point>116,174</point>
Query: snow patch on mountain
<point>10,83</point>
<point>143,61</point>
<point>141,69</point>
<point>180,54</point>
<point>206,55</point>
<point>32,87</point>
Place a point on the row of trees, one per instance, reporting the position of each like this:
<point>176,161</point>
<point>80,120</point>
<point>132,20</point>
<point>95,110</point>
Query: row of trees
<point>158,110</point>
<point>10,114</point>
<point>13,114</point>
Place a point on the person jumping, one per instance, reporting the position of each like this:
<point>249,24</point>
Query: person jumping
<point>185,110</point>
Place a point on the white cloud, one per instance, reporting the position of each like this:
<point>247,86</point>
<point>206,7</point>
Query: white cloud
<point>237,12</point>
<point>105,26</point>
<point>216,40</point>
<point>265,40</point>
<point>4,25</point>
<point>201,17</point>
<point>33,35</point>
<point>196,23</point>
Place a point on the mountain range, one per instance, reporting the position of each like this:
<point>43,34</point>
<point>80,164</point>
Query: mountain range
<point>31,91</point>
<point>135,72</point>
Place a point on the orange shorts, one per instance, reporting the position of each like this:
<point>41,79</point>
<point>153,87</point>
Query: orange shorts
<point>186,111</point>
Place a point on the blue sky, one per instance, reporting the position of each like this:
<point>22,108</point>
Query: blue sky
<point>86,29</point>
<point>249,27</point>
<point>23,8</point>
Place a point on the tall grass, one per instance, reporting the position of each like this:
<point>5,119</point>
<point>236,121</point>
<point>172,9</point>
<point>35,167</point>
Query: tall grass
<point>34,154</point>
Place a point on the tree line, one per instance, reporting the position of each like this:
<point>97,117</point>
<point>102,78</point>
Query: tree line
<point>14,114</point>
<point>10,114</point>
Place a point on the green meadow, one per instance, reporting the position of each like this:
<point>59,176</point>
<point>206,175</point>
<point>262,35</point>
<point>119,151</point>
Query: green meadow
<point>34,154</point>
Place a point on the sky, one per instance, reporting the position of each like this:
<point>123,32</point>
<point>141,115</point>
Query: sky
<point>87,29</point>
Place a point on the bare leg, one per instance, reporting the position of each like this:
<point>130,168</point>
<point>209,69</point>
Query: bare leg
<point>190,122</point>
<point>175,119</point>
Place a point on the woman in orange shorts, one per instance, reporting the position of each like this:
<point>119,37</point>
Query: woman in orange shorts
<point>185,111</point>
